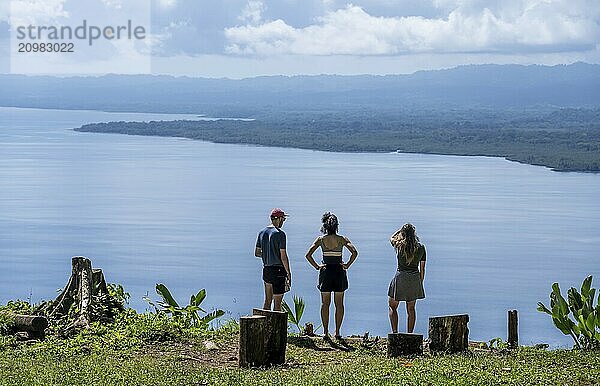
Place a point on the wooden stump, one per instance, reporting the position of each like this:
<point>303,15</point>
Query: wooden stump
<point>513,329</point>
<point>252,341</point>
<point>401,344</point>
<point>449,333</point>
<point>85,286</point>
<point>275,335</point>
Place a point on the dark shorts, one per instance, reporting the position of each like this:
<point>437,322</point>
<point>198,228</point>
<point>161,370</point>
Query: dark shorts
<point>333,278</point>
<point>276,276</point>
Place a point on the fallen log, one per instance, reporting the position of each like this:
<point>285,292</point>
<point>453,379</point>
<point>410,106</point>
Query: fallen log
<point>26,326</point>
<point>28,322</point>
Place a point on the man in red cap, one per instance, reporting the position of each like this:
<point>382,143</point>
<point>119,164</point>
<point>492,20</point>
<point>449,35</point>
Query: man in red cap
<point>270,246</point>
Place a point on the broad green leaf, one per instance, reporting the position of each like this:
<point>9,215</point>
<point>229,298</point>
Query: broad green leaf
<point>200,296</point>
<point>542,308</point>
<point>585,287</point>
<point>290,314</point>
<point>163,291</point>
<point>575,301</point>
<point>212,316</point>
<point>564,306</point>
<point>590,300</point>
<point>561,326</point>
<point>590,322</point>
<point>299,307</point>
<point>557,312</point>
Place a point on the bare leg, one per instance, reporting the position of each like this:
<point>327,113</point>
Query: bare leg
<point>325,302</point>
<point>393,313</point>
<point>268,296</point>
<point>277,299</point>
<point>412,316</point>
<point>339,311</point>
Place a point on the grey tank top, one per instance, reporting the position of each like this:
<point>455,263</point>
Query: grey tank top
<point>332,255</point>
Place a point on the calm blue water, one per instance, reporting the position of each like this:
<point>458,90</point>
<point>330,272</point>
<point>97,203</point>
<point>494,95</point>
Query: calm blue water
<point>186,213</point>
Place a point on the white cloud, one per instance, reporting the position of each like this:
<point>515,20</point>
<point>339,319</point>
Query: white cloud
<point>24,12</point>
<point>167,3</point>
<point>253,11</point>
<point>100,54</point>
<point>470,26</point>
<point>4,11</point>
<point>116,4</point>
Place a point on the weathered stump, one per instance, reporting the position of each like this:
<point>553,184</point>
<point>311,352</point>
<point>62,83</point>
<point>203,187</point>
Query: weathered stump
<point>275,335</point>
<point>449,333</point>
<point>404,344</point>
<point>513,329</point>
<point>252,341</point>
<point>85,286</point>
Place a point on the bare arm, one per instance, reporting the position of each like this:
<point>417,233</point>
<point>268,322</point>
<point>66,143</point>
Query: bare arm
<point>422,270</point>
<point>353,254</point>
<point>393,237</point>
<point>286,263</point>
<point>310,252</point>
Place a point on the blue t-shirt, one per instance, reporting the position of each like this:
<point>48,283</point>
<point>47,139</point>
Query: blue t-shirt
<point>271,240</point>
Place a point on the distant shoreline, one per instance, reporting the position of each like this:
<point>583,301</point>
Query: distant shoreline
<point>550,149</point>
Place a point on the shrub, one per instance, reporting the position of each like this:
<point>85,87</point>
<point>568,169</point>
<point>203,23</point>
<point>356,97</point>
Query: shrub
<point>187,315</point>
<point>585,329</point>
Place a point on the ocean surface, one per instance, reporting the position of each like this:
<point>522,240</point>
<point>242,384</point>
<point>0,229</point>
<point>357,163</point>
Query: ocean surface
<point>186,213</point>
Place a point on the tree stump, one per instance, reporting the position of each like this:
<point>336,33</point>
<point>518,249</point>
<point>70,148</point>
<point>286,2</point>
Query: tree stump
<point>513,329</point>
<point>252,341</point>
<point>403,344</point>
<point>275,335</point>
<point>449,333</point>
<point>84,290</point>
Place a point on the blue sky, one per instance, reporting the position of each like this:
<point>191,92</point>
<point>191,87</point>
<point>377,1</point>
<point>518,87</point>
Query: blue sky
<point>241,38</point>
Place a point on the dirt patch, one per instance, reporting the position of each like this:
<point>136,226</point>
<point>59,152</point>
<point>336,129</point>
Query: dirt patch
<point>216,354</point>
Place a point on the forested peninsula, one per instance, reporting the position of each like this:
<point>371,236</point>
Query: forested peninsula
<point>565,139</point>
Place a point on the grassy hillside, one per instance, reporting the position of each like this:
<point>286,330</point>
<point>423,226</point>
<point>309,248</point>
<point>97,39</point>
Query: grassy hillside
<point>118,356</point>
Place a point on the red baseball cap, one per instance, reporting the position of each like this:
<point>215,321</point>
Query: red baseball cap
<point>278,213</point>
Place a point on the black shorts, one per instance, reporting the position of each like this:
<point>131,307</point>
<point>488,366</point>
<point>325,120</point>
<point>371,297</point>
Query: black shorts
<point>333,278</point>
<point>276,276</point>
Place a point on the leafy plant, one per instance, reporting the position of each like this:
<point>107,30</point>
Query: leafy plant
<point>295,316</point>
<point>189,314</point>
<point>498,344</point>
<point>117,292</point>
<point>585,329</point>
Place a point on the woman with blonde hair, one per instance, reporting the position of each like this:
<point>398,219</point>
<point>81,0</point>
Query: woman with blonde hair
<point>407,284</point>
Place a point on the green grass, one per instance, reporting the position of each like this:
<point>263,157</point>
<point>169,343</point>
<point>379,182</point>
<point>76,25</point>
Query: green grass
<point>155,349</point>
<point>112,358</point>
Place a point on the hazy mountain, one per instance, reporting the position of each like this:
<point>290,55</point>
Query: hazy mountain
<point>473,86</point>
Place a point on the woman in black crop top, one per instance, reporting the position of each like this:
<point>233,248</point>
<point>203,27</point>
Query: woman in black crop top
<point>332,271</point>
